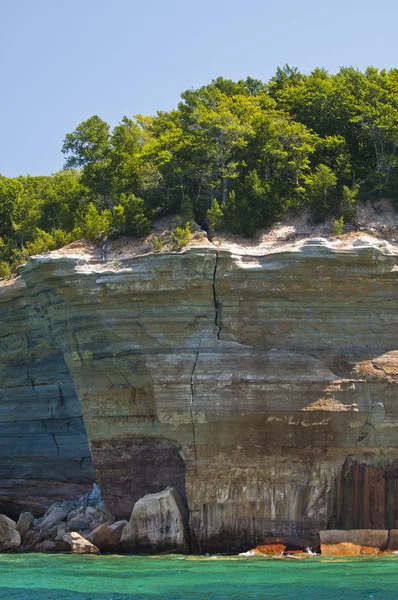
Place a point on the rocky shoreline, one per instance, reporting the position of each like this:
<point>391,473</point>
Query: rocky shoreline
<point>159,525</point>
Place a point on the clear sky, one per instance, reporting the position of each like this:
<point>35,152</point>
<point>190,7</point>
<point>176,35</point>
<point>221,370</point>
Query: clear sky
<point>62,61</point>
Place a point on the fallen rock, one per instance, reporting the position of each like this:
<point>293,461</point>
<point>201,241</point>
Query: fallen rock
<point>107,535</point>
<point>79,545</point>
<point>55,514</point>
<point>61,530</point>
<point>116,530</point>
<point>158,523</point>
<point>80,523</point>
<point>52,546</point>
<point>9,535</point>
<point>31,539</point>
<point>336,542</point>
<point>393,541</point>
<point>46,546</point>
<point>25,523</point>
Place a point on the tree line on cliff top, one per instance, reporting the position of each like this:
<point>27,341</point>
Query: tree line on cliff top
<point>233,156</point>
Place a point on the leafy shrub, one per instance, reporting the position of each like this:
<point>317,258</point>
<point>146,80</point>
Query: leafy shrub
<point>93,225</point>
<point>5,270</point>
<point>157,244</point>
<point>62,238</point>
<point>43,242</point>
<point>132,215</point>
<point>215,216</point>
<point>180,237</point>
<point>338,226</point>
<point>348,203</point>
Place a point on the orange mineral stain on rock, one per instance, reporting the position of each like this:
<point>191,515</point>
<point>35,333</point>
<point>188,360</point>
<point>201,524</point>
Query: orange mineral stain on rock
<point>349,549</point>
<point>270,549</point>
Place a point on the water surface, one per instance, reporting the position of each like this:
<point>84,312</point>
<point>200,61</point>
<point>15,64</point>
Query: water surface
<point>67,577</point>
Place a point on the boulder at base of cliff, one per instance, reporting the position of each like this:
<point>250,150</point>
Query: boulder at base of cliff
<point>393,541</point>
<point>79,545</point>
<point>55,514</point>
<point>107,535</point>
<point>158,523</point>
<point>25,523</point>
<point>31,539</point>
<point>336,542</point>
<point>51,546</point>
<point>9,535</point>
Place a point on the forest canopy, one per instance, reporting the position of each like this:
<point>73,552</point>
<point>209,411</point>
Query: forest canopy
<point>233,156</point>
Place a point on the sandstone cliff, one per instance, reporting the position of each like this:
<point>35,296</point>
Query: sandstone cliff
<point>261,384</point>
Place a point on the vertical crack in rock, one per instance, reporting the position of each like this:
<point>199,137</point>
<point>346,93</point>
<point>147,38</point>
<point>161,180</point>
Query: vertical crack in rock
<point>50,408</point>
<point>61,396</point>
<point>388,540</point>
<point>56,443</point>
<point>216,305</point>
<point>191,403</point>
<point>30,379</point>
<point>192,386</point>
<point>77,345</point>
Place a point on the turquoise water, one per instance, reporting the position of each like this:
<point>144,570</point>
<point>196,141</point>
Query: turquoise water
<point>63,577</point>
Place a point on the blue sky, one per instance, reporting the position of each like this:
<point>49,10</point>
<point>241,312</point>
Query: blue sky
<point>63,61</point>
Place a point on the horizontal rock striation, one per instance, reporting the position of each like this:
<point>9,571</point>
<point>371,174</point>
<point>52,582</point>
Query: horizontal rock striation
<point>261,387</point>
<point>44,453</point>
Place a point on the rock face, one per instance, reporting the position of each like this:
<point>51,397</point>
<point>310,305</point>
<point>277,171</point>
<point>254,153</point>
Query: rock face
<point>261,387</point>
<point>158,523</point>
<point>44,453</point>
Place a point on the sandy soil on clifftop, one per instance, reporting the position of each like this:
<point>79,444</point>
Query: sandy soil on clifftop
<point>377,225</point>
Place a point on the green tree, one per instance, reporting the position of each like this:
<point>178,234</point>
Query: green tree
<point>10,189</point>
<point>321,189</point>
<point>88,148</point>
<point>132,215</point>
<point>25,218</point>
<point>93,225</point>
